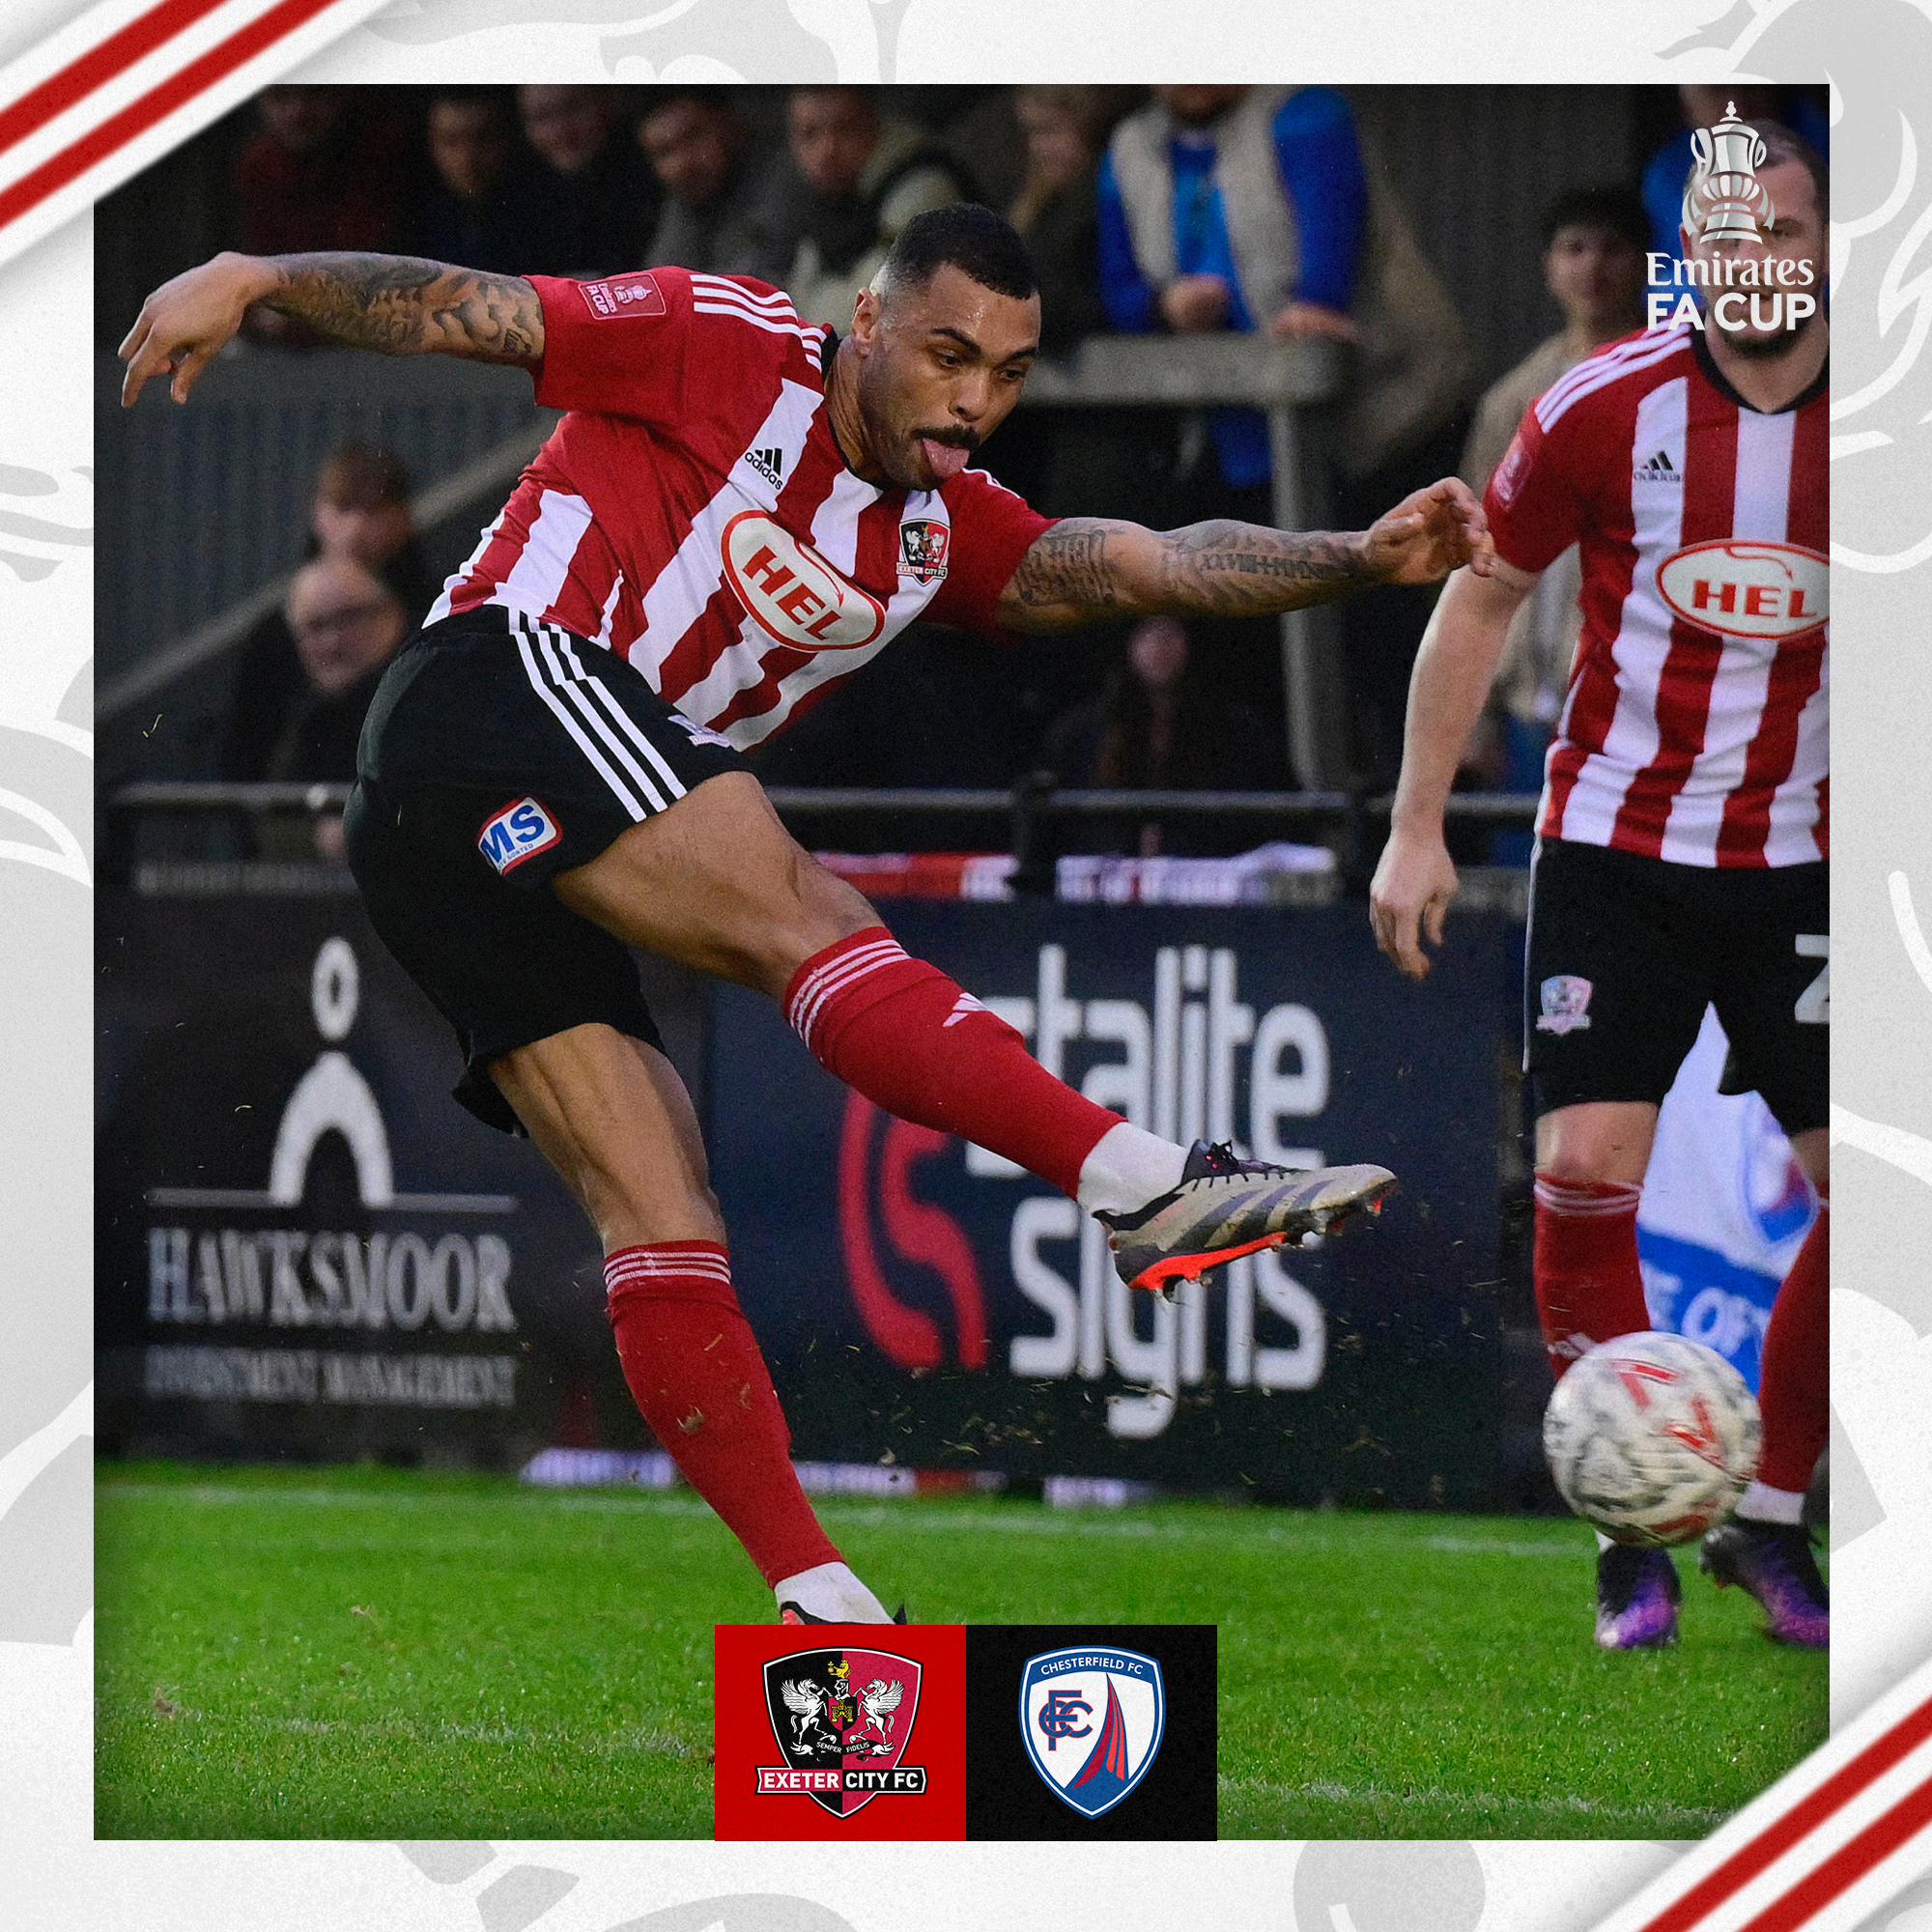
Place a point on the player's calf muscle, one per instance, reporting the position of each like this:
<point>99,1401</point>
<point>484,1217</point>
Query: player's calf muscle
<point>613,1119</point>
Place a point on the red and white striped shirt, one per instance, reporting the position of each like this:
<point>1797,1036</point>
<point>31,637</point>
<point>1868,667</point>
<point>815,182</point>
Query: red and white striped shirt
<point>1694,729</point>
<point>692,512</point>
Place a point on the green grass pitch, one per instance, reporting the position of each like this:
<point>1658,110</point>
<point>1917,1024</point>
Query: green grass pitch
<point>378,1653</point>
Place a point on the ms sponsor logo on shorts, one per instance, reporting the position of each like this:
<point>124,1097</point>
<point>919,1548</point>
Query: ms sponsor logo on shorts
<point>519,832</point>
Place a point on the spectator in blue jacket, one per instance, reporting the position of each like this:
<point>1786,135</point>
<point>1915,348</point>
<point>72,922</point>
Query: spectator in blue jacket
<point>1260,209</point>
<point>1318,164</point>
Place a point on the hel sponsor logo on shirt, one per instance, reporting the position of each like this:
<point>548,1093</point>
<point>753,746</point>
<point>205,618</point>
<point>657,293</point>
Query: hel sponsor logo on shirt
<point>791,592</point>
<point>620,296</point>
<point>1093,1720</point>
<point>1744,589</point>
<point>843,1719</point>
<point>1566,1003</point>
<point>1656,469</point>
<point>922,545</point>
<point>517,832</point>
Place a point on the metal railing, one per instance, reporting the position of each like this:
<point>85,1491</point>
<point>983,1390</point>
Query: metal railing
<point>1034,811</point>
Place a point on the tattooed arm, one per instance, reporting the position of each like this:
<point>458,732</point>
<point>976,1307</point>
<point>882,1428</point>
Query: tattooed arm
<point>395,304</point>
<point>1087,569</point>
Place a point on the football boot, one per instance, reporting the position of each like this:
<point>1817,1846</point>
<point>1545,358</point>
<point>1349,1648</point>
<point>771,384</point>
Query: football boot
<point>1226,1208</point>
<point>791,1613</point>
<point>1637,1594</point>
<point>1774,1562</point>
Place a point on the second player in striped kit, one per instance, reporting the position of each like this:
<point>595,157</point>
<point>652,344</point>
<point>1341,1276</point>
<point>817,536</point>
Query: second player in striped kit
<point>1682,835</point>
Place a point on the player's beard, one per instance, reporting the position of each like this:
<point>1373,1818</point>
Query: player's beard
<point>1768,347</point>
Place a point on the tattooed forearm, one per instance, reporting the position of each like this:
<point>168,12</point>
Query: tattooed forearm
<point>1241,570</point>
<point>1068,570</point>
<point>1087,569</point>
<point>401,305</point>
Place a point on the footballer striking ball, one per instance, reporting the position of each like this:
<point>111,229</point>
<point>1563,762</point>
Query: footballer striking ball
<point>1652,1437</point>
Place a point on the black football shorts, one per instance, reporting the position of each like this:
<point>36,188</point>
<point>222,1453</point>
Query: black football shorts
<point>498,752</point>
<point>1624,953</point>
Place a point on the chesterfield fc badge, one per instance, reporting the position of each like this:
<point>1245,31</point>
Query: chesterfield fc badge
<point>1093,1719</point>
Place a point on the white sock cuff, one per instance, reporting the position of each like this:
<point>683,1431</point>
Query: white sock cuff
<point>830,1590</point>
<point>1764,1504</point>
<point>1585,1199</point>
<point>1127,1168</point>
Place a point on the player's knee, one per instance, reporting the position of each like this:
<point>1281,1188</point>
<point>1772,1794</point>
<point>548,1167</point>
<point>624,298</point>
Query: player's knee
<point>632,1210</point>
<point>1583,1144</point>
<point>817,909</point>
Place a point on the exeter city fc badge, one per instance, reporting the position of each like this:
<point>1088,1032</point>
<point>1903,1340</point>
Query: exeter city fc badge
<point>1093,1720</point>
<point>843,1719</point>
<point>1566,1003</point>
<point>922,545</point>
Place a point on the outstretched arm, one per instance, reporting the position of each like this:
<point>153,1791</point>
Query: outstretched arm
<point>1087,569</point>
<point>395,304</point>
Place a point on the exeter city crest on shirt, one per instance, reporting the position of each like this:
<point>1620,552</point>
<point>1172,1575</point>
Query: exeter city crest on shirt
<point>1092,1717</point>
<point>843,1718</point>
<point>923,542</point>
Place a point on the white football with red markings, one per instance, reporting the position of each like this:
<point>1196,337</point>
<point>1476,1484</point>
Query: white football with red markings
<point>1652,1437</point>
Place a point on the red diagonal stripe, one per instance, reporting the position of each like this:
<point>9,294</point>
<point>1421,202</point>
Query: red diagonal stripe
<point>95,67</point>
<point>156,104</point>
<point>1849,1863</point>
<point>1805,1816</point>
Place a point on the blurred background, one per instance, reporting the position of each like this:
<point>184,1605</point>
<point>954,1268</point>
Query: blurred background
<point>1147,846</point>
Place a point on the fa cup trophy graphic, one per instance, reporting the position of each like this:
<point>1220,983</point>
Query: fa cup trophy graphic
<point>1724,196</point>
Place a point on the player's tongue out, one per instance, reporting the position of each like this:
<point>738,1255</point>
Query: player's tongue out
<point>946,459</point>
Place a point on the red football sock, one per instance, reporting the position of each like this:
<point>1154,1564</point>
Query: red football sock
<point>1794,1382</point>
<point>909,1039</point>
<point>695,1373</point>
<point>1588,1286</point>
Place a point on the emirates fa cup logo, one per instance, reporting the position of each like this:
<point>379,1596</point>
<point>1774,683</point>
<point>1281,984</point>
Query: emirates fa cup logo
<point>1724,196</point>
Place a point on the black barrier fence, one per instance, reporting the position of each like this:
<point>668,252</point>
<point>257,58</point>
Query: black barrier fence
<point>306,1248</point>
<point>148,820</point>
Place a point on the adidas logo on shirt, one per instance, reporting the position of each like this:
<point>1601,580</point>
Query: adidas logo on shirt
<point>769,464</point>
<point>1658,469</point>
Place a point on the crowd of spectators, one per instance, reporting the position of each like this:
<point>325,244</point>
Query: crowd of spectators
<point>1177,210</point>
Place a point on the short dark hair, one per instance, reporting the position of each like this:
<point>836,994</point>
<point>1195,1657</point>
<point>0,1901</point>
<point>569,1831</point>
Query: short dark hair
<point>1618,210</point>
<point>964,236</point>
<point>464,94</point>
<point>1787,144</point>
<point>363,477</point>
<point>711,100</point>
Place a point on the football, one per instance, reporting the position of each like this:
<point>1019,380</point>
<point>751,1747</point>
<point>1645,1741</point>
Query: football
<point>1652,1437</point>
